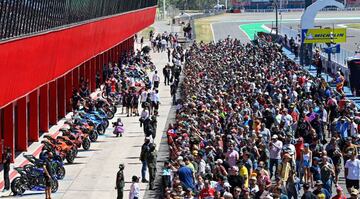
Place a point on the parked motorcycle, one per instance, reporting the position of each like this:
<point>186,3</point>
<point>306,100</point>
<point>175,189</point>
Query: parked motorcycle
<point>33,180</point>
<point>65,148</point>
<point>78,137</point>
<point>57,165</point>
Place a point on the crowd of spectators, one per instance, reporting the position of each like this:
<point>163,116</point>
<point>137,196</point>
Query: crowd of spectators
<point>252,124</point>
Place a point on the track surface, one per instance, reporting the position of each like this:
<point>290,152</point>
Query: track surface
<point>229,24</point>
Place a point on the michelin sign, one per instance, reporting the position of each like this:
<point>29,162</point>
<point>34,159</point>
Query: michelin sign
<point>310,36</point>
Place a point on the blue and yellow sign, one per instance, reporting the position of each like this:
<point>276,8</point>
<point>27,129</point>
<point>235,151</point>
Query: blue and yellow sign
<point>337,35</point>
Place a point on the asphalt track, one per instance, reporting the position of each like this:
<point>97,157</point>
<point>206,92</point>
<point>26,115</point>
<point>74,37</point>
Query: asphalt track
<point>229,24</point>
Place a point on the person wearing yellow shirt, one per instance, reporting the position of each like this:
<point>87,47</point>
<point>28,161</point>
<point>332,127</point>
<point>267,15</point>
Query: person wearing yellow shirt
<point>189,164</point>
<point>244,173</point>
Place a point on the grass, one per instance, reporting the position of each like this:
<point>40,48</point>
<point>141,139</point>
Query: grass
<point>145,33</point>
<point>353,25</point>
<point>203,28</point>
<point>252,28</point>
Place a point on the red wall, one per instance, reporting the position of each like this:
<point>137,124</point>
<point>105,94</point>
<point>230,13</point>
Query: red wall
<point>28,63</point>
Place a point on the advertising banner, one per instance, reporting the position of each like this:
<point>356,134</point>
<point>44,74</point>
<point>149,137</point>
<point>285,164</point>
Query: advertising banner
<point>311,36</point>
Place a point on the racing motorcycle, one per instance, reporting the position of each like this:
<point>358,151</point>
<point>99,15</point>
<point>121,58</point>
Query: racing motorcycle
<point>33,180</point>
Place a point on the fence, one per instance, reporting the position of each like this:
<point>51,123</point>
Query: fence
<point>20,17</point>
<point>339,58</point>
<point>302,9</point>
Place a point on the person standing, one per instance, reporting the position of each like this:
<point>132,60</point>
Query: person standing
<point>156,80</point>
<point>134,188</point>
<point>166,73</point>
<point>275,153</point>
<point>173,89</point>
<point>155,102</point>
<point>6,157</point>
<point>169,54</point>
<point>143,154</point>
<point>120,182</point>
<point>151,158</point>
<point>352,173</point>
<point>48,175</point>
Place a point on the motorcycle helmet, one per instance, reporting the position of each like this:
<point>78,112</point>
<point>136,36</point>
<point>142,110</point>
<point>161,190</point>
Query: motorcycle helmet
<point>121,166</point>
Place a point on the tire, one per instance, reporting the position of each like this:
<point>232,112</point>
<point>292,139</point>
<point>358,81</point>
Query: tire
<point>54,186</point>
<point>100,129</point>
<point>93,136</point>
<point>16,186</point>
<point>110,115</point>
<point>106,124</point>
<point>103,94</point>
<point>75,151</point>
<point>60,172</point>
<point>70,157</point>
<point>86,144</point>
<point>113,108</point>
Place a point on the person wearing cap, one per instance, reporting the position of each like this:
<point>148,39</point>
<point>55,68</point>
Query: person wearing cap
<point>283,170</point>
<point>275,153</point>
<point>354,194</point>
<point>253,187</point>
<point>307,193</point>
<point>352,173</point>
<point>120,182</point>
<point>188,194</point>
<point>339,193</point>
<point>315,170</point>
<point>320,190</point>
<point>219,170</point>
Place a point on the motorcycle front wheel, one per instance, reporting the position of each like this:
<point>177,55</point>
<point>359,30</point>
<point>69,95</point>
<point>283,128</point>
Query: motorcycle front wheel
<point>54,186</point>
<point>93,136</point>
<point>86,144</point>
<point>16,186</point>
<point>70,157</point>
<point>60,172</point>
<point>100,129</point>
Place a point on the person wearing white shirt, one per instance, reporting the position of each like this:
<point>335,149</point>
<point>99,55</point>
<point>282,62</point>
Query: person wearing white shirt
<point>156,79</point>
<point>352,173</point>
<point>134,188</point>
<point>155,101</point>
<point>143,97</point>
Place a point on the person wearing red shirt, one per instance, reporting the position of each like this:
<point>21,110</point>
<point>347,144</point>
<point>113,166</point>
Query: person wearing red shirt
<point>299,147</point>
<point>207,192</point>
<point>339,193</point>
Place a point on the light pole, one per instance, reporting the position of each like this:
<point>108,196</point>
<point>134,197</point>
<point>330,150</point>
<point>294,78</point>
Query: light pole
<point>277,18</point>
<point>164,9</point>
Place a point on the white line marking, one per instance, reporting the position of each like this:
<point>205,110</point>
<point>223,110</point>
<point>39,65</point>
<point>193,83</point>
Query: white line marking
<point>212,30</point>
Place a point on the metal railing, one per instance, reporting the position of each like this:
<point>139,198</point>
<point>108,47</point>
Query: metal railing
<point>339,58</point>
<point>21,17</point>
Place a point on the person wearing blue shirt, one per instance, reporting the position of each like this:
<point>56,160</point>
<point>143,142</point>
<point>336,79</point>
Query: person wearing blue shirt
<point>320,190</point>
<point>342,127</point>
<point>186,176</point>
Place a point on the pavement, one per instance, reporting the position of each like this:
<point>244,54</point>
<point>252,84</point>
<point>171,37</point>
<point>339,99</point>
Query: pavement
<point>94,171</point>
